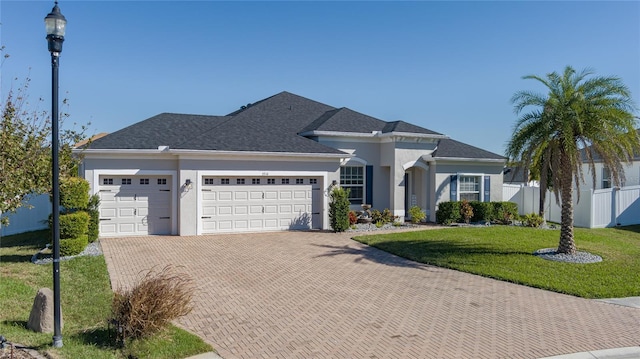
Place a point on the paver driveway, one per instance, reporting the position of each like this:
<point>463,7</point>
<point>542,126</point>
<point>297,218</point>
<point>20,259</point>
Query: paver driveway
<point>322,295</point>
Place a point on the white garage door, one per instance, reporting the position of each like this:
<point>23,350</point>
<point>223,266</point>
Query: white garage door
<point>238,204</point>
<point>135,205</point>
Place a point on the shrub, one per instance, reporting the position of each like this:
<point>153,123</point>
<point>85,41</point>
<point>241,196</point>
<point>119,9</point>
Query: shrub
<point>339,209</point>
<point>93,231</point>
<point>353,218</point>
<point>532,220</point>
<point>72,225</point>
<point>73,246</point>
<point>385,216</point>
<point>466,211</point>
<point>417,215</point>
<point>74,193</point>
<point>482,211</point>
<point>153,302</point>
<point>379,224</point>
<point>448,212</point>
<point>505,211</point>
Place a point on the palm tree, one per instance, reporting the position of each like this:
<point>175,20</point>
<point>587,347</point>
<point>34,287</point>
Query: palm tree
<point>582,117</point>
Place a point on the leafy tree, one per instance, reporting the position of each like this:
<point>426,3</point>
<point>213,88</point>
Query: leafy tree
<point>582,117</point>
<point>25,151</point>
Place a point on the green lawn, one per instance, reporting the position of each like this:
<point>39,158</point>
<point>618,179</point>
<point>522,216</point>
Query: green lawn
<point>505,253</point>
<point>86,301</point>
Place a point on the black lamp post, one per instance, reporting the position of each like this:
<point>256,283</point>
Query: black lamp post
<point>55,24</point>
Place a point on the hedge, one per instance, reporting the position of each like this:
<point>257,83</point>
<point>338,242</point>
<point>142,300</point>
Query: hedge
<point>502,212</point>
<point>74,193</point>
<point>73,246</point>
<point>339,209</point>
<point>73,225</point>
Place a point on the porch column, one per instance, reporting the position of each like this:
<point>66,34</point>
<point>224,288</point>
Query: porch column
<point>396,192</point>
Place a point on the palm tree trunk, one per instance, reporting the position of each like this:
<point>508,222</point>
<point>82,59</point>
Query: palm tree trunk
<point>543,196</point>
<point>567,244</point>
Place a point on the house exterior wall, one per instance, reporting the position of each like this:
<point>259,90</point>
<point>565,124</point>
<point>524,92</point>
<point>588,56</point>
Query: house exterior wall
<point>187,200</point>
<point>631,173</point>
<point>444,170</point>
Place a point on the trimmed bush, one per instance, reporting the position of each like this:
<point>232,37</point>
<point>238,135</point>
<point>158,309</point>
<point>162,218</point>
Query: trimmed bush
<point>448,212</point>
<point>74,193</point>
<point>384,217</point>
<point>417,215</point>
<point>93,230</point>
<point>532,220</point>
<point>73,225</point>
<point>152,303</point>
<point>482,211</point>
<point>73,246</point>
<point>339,209</point>
<point>505,212</point>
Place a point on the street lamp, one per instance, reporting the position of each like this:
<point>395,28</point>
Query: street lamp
<point>55,24</point>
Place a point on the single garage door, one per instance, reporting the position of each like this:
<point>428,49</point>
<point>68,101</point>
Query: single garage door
<point>242,204</point>
<point>135,205</point>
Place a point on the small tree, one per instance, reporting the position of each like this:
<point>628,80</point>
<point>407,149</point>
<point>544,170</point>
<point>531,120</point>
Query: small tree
<point>466,211</point>
<point>417,215</point>
<point>339,209</point>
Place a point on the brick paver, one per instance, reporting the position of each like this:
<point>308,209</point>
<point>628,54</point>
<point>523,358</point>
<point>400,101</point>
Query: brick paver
<point>322,295</point>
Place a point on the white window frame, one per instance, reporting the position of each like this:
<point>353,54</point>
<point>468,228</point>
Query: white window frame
<point>362,185</point>
<point>606,178</point>
<point>480,177</point>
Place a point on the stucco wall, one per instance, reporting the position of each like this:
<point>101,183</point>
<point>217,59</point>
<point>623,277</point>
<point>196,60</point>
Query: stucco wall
<point>445,170</point>
<point>631,173</point>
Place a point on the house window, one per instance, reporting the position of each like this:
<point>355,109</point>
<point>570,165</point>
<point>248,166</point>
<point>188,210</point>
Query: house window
<point>469,188</point>
<point>299,181</point>
<point>313,181</point>
<point>224,181</point>
<point>240,181</point>
<point>284,181</point>
<point>606,178</point>
<point>208,181</point>
<point>255,181</point>
<point>126,181</point>
<point>144,181</point>
<point>107,181</point>
<point>162,181</point>
<point>352,178</point>
<point>271,181</point>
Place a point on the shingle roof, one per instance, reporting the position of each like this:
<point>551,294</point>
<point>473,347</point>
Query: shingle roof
<point>269,125</point>
<point>448,148</point>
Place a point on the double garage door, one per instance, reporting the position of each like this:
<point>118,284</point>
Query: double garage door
<point>244,204</point>
<point>135,205</point>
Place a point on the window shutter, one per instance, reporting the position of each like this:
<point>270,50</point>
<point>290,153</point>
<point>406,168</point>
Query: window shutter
<point>369,183</point>
<point>487,188</point>
<point>453,188</point>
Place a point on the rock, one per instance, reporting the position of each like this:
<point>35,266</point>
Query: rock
<point>41,317</point>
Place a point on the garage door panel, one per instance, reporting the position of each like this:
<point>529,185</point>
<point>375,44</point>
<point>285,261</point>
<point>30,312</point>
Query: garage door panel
<point>254,207</point>
<point>225,210</point>
<point>225,196</point>
<point>139,208</point>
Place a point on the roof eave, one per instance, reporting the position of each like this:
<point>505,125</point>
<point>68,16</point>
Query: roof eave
<point>379,134</point>
<point>469,159</point>
<point>212,152</point>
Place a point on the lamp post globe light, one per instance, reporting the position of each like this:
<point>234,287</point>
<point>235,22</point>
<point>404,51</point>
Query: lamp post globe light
<point>55,24</point>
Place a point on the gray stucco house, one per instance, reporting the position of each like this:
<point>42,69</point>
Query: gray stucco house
<point>270,166</point>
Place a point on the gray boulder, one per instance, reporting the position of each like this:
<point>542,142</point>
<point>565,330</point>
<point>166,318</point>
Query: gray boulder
<point>41,317</point>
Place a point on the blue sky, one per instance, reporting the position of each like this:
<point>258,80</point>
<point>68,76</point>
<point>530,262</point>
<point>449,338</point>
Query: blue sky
<point>451,67</point>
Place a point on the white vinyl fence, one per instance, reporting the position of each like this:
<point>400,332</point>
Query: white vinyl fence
<point>595,208</point>
<point>25,219</point>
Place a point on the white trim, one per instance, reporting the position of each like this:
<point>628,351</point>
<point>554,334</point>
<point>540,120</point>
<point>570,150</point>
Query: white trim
<point>378,134</point>
<point>415,163</point>
<point>138,172</point>
<point>208,173</point>
<point>348,162</point>
<point>479,175</point>
<point>462,159</point>
<point>212,152</point>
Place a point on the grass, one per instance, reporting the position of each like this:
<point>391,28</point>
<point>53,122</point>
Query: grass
<point>505,253</point>
<point>86,303</point>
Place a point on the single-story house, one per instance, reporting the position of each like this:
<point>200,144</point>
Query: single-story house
<point>603,175</point>
<point>270,166</point>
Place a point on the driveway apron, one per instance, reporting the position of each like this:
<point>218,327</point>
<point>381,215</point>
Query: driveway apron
<point>323,295</point>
